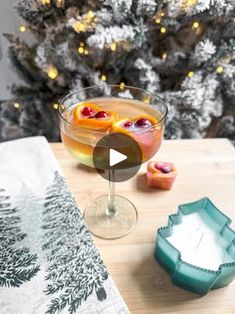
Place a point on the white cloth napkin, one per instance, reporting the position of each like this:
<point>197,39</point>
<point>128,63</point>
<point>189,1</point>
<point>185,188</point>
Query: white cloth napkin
<point>48,261</point>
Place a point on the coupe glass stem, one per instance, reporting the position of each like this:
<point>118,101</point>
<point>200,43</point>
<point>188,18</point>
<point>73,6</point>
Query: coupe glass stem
<point>111,211</point>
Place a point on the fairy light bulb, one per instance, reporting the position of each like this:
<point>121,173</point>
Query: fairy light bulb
<point>16,105</point>
<point>122,85</point>
<point>164,55</point>
<point>86,52</point>
<point>220,69</point>
<point>46,2</point>
<point>195,25</point>
<point>52,72</point>
<point>90,14</point>
<point>55,106</point>
<point>22,28</point>
<point>190,74</point>
<point>162,14</point>
<point>163,30</point>
<point>192,2</point>
<point>113,46</point>
<point>79,27</point>
<point>157,21</point>
<point>81,50</point>
<point>103,77</point>
<point>82,44</point>
<point>189,3</point>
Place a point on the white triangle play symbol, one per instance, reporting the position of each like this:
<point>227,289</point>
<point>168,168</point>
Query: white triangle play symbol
<point>115,157</point>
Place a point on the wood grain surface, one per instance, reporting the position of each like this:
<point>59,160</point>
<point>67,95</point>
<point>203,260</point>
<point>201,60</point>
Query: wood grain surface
<point>205,168</point>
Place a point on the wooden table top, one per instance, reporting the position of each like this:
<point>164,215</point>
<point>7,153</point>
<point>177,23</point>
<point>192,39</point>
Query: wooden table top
<point>205,168</point>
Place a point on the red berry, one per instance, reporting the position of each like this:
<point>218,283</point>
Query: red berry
<point>101,114</point>
<point>87,111</point>
<point>144,123</point>
<point>166,169</point>
<point>128,124</point>
<point>159,165</point>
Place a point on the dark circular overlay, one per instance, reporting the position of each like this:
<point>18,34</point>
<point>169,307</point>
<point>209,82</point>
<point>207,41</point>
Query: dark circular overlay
<point>107,153</point>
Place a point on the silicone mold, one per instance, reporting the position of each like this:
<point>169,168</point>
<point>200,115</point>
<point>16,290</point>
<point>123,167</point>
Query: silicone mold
<point>188,275</point>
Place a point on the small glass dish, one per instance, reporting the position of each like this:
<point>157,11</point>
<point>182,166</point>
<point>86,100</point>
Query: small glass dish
<point>197,247</point>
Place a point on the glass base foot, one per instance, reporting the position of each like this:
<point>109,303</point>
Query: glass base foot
<point>107,226</point>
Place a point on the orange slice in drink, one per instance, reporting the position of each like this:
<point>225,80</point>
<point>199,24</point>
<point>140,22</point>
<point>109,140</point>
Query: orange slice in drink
<point>144,129</point>
<point>85,110</point>
<point>132,126</point>
<point>89,115</point>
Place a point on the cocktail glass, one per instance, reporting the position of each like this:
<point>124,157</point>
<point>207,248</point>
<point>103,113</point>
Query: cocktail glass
<point>112,216</point>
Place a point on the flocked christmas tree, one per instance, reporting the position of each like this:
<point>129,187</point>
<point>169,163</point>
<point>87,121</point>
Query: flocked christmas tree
<point>17,265</point>
<point>74,267</point>
<point>182,49</point>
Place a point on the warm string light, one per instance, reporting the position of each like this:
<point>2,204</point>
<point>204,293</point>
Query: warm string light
<point>122,85</point>
<point>22,28</point>
<point>164,55</point>
<point>190,74</point>
<point>55,106</point>
<point>16,105</point>
<point>82,49</point>
<point>220,69</point>
<point>113,46</point>
<point>158,20</point>
<point>45,2</point>
<point>85,23</point>
<point>103,77</point>
<point>51,72</point>
<point>188,4</point>
<point>158,17</point>
<point>90,14</point>
<point>79,27</point>
<point>195,25</point>
<point>163,30</point>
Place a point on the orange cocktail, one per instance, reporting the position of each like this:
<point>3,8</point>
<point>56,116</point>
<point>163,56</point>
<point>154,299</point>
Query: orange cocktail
<point>93,118</point>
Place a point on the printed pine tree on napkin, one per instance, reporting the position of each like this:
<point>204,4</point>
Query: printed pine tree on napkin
<point>48,261</point>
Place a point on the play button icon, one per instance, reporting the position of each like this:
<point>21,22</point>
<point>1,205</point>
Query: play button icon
<point>115,157</point>
<point>117,152</point>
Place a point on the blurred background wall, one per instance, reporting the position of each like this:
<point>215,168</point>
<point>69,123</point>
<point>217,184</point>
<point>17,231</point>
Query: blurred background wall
<point>9,23</point>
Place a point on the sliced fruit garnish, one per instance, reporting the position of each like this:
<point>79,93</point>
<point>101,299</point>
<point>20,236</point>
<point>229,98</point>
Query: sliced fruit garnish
<point>143,130</point>
<point>88,115</point>
<point>85,110</point>
<point>134,125</point>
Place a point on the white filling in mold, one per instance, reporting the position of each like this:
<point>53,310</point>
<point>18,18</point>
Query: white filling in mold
<point>198,242</point>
